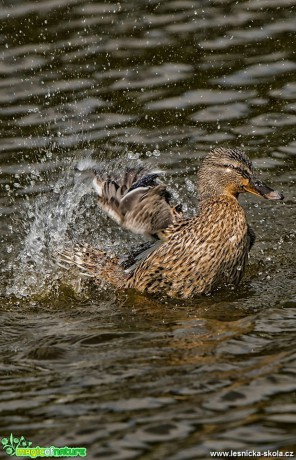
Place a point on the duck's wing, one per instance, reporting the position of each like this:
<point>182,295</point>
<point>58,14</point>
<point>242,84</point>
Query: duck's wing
<point>93,263</point>
<point>137,202</point>
<point>131,261</point>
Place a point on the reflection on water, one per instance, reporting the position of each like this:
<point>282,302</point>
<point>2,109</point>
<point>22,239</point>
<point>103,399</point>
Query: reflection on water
<point>125,375</point>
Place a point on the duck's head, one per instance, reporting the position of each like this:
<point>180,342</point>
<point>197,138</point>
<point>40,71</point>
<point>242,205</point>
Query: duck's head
<point>230,172</point>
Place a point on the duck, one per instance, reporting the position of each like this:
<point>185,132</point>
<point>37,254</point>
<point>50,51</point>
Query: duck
<point>190,256</point>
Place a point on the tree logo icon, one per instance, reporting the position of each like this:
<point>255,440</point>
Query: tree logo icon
<point>11,444</point>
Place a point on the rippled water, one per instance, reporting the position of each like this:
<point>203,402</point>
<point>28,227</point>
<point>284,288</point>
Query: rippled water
<point>125,375</point>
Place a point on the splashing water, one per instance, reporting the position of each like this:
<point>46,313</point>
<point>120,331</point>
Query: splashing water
<point>62,216</point>
<point>35,270</point>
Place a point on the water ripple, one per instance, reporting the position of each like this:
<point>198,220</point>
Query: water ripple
<point>125,375</point>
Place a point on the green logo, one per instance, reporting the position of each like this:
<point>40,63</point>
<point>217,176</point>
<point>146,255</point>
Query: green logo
<point>11,444</point>
<point>20,447</point>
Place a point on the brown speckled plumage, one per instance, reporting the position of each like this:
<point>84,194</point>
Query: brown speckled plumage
<point>205,252</point>
<point>197,255</point>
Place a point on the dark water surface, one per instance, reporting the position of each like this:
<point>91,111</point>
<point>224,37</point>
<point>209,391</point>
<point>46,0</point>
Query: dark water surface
<point>125,375</point>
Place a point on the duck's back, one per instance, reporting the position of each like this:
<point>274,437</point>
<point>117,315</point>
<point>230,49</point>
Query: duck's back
<point>200,254</point>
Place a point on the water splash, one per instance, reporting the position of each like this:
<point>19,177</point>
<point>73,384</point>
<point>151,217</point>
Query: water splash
<point>68,213</point>
<point>35,270</point>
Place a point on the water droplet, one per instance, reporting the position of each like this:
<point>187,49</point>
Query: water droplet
<point>190,185</point>
<point>133,155</point>
<point>156,153</point>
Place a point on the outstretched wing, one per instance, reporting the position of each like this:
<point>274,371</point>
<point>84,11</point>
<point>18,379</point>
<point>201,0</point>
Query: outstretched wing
<point>93,263</point>
<point>136,201</point>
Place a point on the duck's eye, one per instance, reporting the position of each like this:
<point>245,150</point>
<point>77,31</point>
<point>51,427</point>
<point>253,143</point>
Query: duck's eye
<point>230,166</point>
<point>225,165</point>
<point>240,171</point>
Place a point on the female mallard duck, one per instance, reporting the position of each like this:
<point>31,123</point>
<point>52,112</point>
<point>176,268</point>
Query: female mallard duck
<point>196,255</point>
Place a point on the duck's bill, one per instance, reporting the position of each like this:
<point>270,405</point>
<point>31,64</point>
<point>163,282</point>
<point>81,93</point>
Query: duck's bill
<point>257,187</point>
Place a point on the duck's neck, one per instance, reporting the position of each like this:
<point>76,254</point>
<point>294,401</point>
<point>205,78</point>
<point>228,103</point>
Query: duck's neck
<point>206,196</point>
